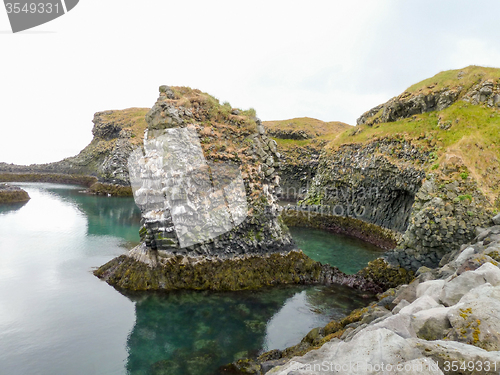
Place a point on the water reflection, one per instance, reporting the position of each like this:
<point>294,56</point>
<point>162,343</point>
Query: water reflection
<point>118,215</point>
<point>55,316</point>
<point>11,207</point>
<point>347,253</point>
<point>196,332</point>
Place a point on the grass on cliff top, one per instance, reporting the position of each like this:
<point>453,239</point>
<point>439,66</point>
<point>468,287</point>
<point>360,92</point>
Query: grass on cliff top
<point>312,127</point>
<point>320,131</point>
<point>132,119</point>
<point>466,77</point>
<point>194,98</point>
<point>473,135</point>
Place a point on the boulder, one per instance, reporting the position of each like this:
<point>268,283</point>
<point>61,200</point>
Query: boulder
<point>496,219</point>
<point>364,354</point>
<point>454,289</point>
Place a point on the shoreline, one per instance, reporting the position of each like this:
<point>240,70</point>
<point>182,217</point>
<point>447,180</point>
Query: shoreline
<point>93,185</point>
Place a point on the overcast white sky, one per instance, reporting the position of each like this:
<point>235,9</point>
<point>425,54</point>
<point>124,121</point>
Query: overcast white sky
<point>330,60</point>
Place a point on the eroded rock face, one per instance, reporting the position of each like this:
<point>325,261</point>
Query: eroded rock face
<point>445,215</point>
<point>407,105</point>
<point>360,181</point>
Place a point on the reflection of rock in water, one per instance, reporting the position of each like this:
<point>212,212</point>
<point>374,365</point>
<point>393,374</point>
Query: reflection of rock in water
<point>11,207</point>
<point>196,332</point>
<point>106,213</point>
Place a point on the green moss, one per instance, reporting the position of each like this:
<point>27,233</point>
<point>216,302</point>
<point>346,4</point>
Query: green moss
<point>100,188</point>
<point>381,273</point>
<point>48,177</point>
<point>230,274</point>
<point>13,196</point>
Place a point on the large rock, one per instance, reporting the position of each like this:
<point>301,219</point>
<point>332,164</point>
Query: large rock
<point>457,287</point>
<point>362,355</point>
<point>206,187</point>
<point>12,194</point>
<point>476,319</point>
<point>496,219</point>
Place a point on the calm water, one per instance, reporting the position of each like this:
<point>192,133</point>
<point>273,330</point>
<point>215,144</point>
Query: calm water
<point>57,318</point>
<point>347,253</point>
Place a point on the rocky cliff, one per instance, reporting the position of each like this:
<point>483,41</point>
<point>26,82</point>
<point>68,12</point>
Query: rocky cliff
<point>300,142</point>
<point>474,84</point>
<point>115,133</point>
<point>432,176</point>
<point>192,142</point>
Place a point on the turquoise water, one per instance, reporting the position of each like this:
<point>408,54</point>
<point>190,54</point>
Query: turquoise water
<point>57,318</point>
<point>347,253</point>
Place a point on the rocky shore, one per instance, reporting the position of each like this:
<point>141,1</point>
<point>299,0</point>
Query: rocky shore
<point>445,321</point>
<point>12,194</point>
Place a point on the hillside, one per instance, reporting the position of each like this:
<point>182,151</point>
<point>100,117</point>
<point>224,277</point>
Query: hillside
<point>425,164</point>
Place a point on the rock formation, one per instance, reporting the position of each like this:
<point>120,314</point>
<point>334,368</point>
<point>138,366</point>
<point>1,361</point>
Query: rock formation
<point>300,142</point>
<point>12,194</point>
<point>431,176</point>
<point>195,150</point>
<point>475,85</point>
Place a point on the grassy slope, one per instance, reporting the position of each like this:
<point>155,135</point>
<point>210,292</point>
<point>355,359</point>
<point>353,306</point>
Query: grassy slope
<point>132,119</point>
<point>309,125</point>
<point>465,77</point>
<point>474,135</point>
<point>320,131</point>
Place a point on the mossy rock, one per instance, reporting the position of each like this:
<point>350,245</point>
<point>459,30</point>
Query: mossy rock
<point>249,272</point>
<point>11,194</point>
<point>380,273</point>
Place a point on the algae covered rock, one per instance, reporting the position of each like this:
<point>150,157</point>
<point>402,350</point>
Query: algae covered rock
<point>12,194</point>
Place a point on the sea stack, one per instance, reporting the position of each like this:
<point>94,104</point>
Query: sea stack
<point>205,181</point>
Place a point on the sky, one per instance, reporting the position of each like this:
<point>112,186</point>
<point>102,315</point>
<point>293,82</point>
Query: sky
<point>331,60</point>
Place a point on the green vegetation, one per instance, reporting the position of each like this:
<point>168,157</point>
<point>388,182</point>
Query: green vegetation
<point>230,274</point>
<point>465,77</point>
<point>132,120</point>
<point>473,140</point>
<point>464,197</point>
<point>305,126</point>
